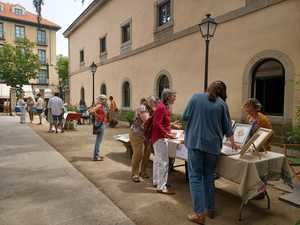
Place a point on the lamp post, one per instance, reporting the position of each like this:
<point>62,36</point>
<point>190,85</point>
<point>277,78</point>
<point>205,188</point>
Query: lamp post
<point>207,28</point>
<point>93,68</point>
<point>61,86</point>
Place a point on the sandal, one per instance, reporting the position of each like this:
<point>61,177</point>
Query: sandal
<point>136,179</point>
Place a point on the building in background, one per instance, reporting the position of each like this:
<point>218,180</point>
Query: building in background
<point>18,23</point>
<point>141,47</point>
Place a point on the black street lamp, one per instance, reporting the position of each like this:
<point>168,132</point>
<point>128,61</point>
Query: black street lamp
<point>207,28</point>
<point>93,68</point>
<point>61,88</point>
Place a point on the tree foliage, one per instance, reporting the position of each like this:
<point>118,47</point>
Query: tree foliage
<point>62,68</point>
<point>18,63</point>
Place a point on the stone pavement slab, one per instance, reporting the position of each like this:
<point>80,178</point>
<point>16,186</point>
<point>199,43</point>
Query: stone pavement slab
<point>39,187</point>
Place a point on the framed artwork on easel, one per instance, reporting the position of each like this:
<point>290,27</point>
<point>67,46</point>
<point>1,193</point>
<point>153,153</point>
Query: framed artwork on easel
<point>257,141</point>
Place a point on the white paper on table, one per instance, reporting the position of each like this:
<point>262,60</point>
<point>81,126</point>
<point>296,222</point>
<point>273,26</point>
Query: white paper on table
<point>182,152</point>
<point>227,150</point>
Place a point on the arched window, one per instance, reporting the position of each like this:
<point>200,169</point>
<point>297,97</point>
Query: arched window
<point>162,83</point>
<point>126,94</point>
<point>103,89</point>
<point>268,83</point>
<point>82,97</point>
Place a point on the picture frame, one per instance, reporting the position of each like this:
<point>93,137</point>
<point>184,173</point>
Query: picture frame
<point>257,141</point>
<point>241,133</point>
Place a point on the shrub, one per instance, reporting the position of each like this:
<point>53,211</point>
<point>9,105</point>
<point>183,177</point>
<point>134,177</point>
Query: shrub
<point>72,108</point>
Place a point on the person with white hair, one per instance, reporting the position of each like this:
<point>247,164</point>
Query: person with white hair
<point>98,128</point>
<point>161,131</point>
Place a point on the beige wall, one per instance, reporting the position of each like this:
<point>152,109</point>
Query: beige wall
<point>31,34</point>
<point>238,43</point>
<point>187,13</point>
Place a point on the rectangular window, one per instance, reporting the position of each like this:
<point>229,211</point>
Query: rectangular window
<point>102,45</point>
<point>43,77</point>
<point>164,13</point>
<point>18,12</point>
<point>42,56</point>
<point>126,33</point>
<point>1,31</point>
<point>20,32</point>
<point>81,56</point>
<point>41,37</point>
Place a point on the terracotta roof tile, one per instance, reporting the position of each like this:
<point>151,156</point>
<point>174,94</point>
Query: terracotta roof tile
<point>27,17</point>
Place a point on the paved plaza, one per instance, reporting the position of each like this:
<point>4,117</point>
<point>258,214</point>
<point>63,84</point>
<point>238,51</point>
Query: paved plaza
<point>39,187</point>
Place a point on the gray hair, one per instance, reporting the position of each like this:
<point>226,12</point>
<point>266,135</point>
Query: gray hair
<point>166,94</point>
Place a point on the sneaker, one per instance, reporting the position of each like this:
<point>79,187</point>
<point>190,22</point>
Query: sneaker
<point>166,192</point>
<point>197,218</point>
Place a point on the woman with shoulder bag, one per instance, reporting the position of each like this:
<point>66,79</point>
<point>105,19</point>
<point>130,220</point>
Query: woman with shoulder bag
<point>98,128</point>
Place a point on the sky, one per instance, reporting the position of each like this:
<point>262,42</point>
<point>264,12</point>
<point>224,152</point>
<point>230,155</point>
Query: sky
<point>61,12</point>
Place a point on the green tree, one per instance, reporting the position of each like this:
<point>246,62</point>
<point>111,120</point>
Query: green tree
<point>18,64</point>
<point>62,68</point>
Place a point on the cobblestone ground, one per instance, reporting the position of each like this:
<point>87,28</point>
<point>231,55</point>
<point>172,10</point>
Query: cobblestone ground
<point>139,200</point>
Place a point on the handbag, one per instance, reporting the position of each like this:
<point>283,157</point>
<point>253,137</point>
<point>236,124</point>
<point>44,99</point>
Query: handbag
<point>97,127</point>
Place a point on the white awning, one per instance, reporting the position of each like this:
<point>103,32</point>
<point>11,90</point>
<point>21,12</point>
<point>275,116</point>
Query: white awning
<point>4,91</point>
<point>48,93</point>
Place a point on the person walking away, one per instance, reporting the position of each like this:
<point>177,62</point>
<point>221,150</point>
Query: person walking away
<point>255,117</point>
<point>30,104</point>
<point>207,121</point>
<point>22,105</point>
<point>141,150</point>
<point>161,131</point>
<point>113,110</point>
<point>56,107</point>
<point>40,106</point>
<point>99,125</point>
<point>49,117</point>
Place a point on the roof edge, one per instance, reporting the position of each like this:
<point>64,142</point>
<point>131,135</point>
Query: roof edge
<point>89,11</point>
<point>50,27</point>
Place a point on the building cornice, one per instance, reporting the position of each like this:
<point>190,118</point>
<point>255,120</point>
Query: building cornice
<point>87,13</point>
<point>222,19</point>
<point>4,18</point>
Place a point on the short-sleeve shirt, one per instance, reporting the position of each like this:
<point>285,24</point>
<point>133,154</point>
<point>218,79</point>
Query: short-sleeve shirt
<point>40,103</point>
<point>56,105</point>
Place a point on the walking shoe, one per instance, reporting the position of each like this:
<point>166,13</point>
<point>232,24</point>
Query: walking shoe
<point>197,218</point>
<point>98,159</point>
<point>166,192</point>
<point>135,178</point>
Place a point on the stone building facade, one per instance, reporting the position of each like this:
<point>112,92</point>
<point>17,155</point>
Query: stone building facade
<point>142,46</point>
<point>17,23</point>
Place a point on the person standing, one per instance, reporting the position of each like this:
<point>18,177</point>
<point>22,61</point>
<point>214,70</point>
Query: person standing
<point>141,150</point>
<point>22,105</point>
<point>113,110</point>
<point>207,121</point>
<point>99,125</point>
<point>161,131</point>
<point>39,106</point>
<point>30,104</point>
<point>56,108</point>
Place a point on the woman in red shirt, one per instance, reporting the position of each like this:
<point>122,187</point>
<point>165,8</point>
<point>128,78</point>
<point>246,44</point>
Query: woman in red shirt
<point>100,118</point>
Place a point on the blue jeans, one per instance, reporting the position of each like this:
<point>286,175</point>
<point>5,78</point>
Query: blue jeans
<point>99,137</point>
<point>202,167</point>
